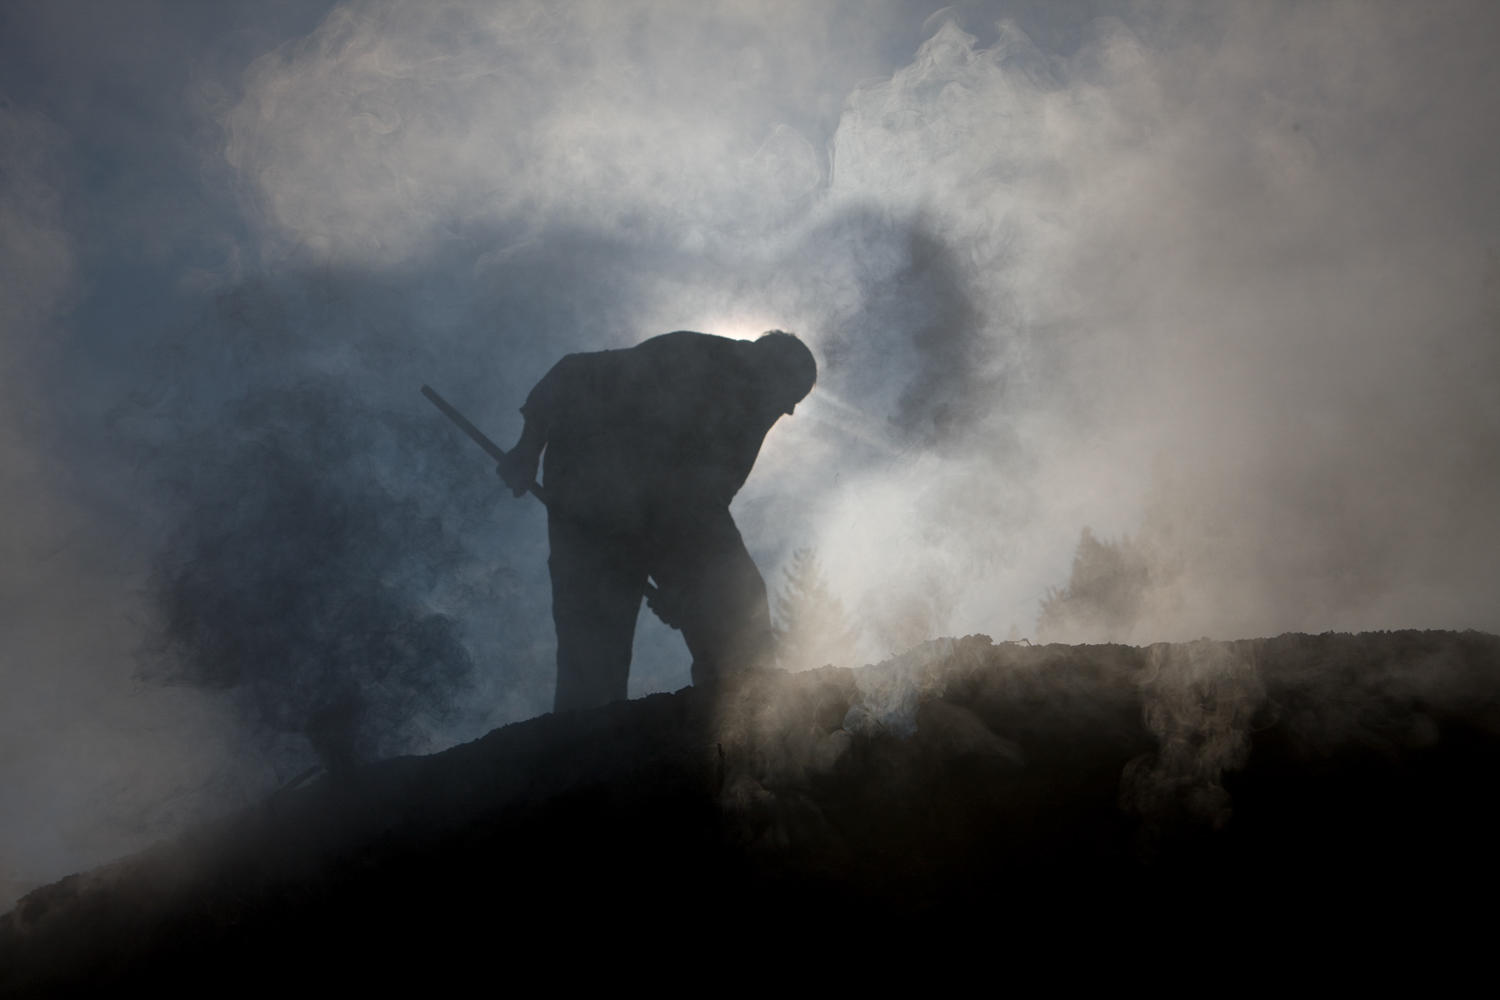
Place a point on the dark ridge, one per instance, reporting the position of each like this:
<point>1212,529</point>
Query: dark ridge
<point>1270,797</point>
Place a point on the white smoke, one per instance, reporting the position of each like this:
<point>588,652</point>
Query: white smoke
<point>1226,279</point>
<point>396,126</point>
<point>1248,286</point>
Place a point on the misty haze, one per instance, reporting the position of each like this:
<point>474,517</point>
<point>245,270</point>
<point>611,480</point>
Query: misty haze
<point>1174,328</point>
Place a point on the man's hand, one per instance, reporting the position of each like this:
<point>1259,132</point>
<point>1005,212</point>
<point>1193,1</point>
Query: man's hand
<point>518,471</point>
<point>518,467</point>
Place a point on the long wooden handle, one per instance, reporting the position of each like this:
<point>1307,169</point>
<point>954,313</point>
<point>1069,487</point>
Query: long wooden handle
<point>478,436</point>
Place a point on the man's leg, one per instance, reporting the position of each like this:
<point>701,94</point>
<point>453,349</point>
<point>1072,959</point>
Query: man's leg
<point>717,594</point>
<point>597,582</point>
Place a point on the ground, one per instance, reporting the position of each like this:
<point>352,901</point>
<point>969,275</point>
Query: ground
<point>1331,794</point>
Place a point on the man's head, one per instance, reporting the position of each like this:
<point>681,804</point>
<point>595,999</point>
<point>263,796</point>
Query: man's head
<point>787,368</point>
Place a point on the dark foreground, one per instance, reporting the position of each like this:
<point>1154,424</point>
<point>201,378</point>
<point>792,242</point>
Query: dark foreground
<point>1213,804</point>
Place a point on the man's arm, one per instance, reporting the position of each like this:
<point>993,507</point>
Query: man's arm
<point>547,400</point>
<point>519,467</point>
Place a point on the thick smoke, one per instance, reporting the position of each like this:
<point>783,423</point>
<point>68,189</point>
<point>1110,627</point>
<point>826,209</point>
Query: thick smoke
<point>1237,277</point>
<point>812,629</point>
<point>1217,282</point>
<point>396,126</point>
<point>294,582</point>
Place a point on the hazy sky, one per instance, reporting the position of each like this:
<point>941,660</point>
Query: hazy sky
<point>1222,278</point>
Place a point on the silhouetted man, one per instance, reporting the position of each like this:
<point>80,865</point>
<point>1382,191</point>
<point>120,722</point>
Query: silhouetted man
<point>645,448</point>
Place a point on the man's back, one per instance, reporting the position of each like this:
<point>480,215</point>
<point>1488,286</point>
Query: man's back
<point>675,421</point>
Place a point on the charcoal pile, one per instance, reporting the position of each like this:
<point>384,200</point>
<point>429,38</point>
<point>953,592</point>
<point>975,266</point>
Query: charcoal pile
<point>1285,788</point>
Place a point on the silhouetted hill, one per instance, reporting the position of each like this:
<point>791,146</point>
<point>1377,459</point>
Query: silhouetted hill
<point>1301,793</point>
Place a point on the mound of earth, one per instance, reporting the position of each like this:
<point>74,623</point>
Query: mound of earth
<point>1301,792</point>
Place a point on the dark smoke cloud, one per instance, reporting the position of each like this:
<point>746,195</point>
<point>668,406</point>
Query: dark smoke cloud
<point>914,349</point>
<point>292,580</point>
